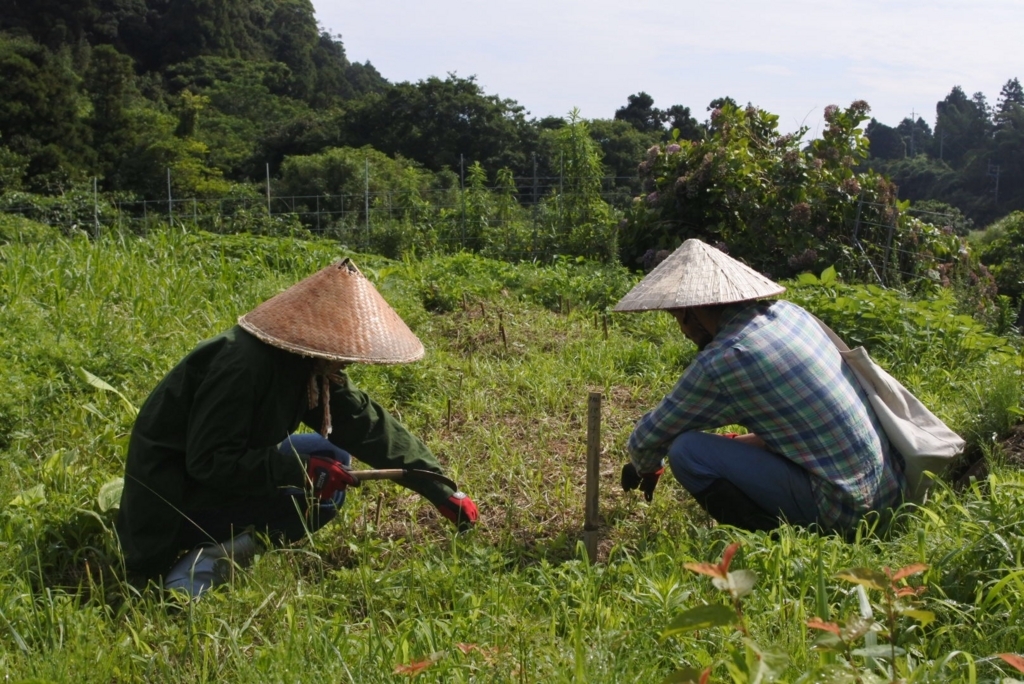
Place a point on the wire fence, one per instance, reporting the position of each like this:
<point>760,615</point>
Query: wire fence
<point>521,221</point>
<point>515,221</point>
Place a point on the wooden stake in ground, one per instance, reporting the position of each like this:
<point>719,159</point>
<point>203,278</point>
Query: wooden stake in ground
<point>592,517</point>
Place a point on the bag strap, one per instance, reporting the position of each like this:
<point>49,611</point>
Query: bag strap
<point>836,339</point>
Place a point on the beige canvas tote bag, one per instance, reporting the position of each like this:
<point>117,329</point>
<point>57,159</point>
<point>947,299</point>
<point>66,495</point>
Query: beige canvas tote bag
<point>926,443</point>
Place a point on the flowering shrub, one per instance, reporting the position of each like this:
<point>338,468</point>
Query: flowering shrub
<point>782,208</point>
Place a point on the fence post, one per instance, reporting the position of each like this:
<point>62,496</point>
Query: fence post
<point>888,247</point>
<point>170,200</point>
<point>462,187</point>
<point>592,513</point>
<point>536,206</point>
<point>561,187</point>
<point>318,214</point>
<point>95,211</point>
<point>269,213</point>
<point>366,196</point>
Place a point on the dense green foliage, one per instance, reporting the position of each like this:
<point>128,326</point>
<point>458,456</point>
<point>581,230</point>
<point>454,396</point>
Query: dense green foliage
<point>513,350</point>
<point>781,207</point>
<point>1003,250</point>
<point>972,160</point>
<point>123,89</point>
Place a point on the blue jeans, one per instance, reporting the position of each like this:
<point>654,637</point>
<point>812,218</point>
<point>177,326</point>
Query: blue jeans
<point>285,517</point>
<point>776,484</point>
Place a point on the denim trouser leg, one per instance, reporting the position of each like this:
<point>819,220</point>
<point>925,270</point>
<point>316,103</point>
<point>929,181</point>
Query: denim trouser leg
<point>312,444</point>
<point>774,483</point>
<point>286,517</point>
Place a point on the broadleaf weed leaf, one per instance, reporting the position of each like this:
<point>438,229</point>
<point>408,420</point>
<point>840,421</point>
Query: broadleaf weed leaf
<point>856,627</point>
<point>866,577</point>
<point>700,617</point>
<point>925,617</point>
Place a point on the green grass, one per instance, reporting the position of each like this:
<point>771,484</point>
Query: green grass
<point>507,417</point>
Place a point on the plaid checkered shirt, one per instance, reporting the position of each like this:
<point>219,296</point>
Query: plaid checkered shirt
<point>771,369</point>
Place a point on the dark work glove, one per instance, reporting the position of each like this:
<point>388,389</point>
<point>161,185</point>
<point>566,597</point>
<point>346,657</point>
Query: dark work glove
<point>646,483</point>
<point>328,477</point>
<point>460,509</point>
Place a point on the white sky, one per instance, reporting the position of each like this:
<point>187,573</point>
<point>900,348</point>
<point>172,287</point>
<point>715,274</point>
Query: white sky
<point>790,57</point>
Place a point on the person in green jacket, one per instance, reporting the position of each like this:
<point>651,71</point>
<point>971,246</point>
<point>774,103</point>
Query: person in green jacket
<point>214,449</point>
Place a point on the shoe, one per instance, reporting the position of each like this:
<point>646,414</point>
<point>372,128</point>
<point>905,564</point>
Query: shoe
<point>209,565</point>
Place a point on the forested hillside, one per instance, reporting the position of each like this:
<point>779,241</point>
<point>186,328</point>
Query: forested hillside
<point>199,100</point>
<point>972,158</point>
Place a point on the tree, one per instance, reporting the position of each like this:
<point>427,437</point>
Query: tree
<point>886,142</point>
<point>622,146</point>
<point>40,106</point>
<point>781,206</point>
<point>343,174</point>
<point>680,119</point>
<point>916,135</point>
<point>442,123</point>
<point>1011,98</point>
<point>641,113</point>
<point>578,221</point>
<point>961,125</point>
<point>110,84</point>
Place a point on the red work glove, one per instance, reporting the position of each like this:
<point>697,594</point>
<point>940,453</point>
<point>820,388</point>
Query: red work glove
<point>328,476</point>
<point>646,483</point>
<point>460,509</point>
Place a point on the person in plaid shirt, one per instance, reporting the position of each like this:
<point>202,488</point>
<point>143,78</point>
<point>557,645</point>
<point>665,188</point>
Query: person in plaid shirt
<point>815,454</point>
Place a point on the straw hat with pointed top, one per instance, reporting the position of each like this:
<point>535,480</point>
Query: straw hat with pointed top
<point>335,314</point>
<point>697,274</point>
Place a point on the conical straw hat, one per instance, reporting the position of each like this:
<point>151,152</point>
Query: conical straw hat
<point>697,274</point>
<point>335,314</point>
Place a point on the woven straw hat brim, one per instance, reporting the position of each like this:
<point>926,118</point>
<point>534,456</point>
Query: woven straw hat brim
<point>697,274</point>
<point>335,314</point>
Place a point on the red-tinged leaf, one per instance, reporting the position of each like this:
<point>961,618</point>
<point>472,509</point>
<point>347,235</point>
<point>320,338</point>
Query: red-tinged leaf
<point>706,569</point>
<point>413,669</point>
<point>1014,660</point>
<point>909,570</point>
<point>910,591</point>
<point>705,676</point>
<point>466,648</point>
<point>730,551</point>
<point>818,623</point>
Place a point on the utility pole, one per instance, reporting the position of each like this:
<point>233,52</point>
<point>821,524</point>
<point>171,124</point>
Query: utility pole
<point>913,125</point>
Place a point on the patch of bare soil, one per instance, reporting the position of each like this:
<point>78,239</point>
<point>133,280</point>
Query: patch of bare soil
<point>1013,447</point>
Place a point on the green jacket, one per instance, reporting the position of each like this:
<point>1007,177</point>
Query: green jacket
<point>207,437</point>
